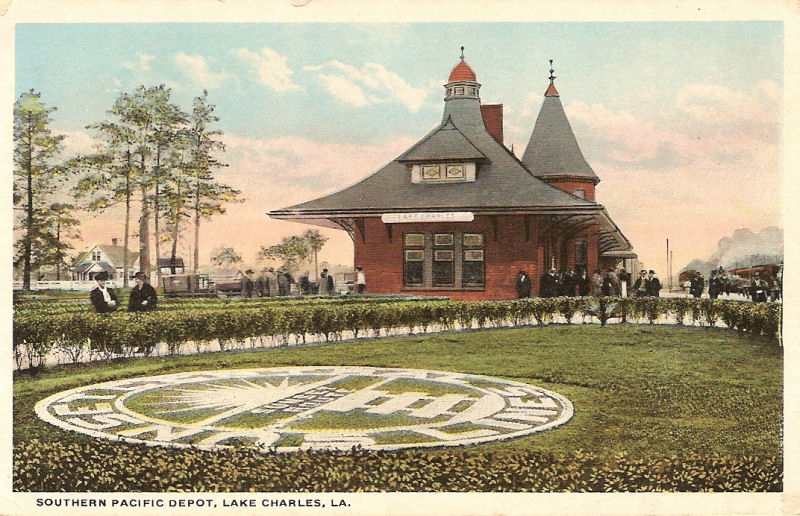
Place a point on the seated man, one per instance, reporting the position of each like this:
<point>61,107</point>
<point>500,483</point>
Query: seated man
<point>143,295</point>
<point>103,298</point>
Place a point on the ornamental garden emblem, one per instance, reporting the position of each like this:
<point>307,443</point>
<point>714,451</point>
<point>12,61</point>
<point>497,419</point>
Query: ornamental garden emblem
<point>320,407</point>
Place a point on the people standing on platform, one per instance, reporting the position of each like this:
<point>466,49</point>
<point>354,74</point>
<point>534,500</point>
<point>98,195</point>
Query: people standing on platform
<point>283,283</point>
<point>698,285</point>
<point>103,298</point>
<point>597,283</point>
<point>262,284</point>
<point>653,284</point>
<point>523,285</point>
<point>584,283</point>
<point>568,283</point>
<point>549,286</point>
<point>608,283</point>
<point>248,286</point>
<point>272,282</point>
<point>143,295</point>
<point>715,286</point>
<point>640,286</point>
<point>361,280</point>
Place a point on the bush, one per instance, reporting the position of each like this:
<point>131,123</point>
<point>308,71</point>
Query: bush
<point>114,466</point>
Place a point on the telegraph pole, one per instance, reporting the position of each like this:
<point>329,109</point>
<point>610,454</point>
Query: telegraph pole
<point>669,283</point>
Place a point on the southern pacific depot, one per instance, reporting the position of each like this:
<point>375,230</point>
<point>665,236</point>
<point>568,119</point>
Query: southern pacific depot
<point>459,215</point>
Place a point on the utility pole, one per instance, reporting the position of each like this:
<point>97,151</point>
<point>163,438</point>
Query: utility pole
<point>669,283</point>
<point>670,271</point>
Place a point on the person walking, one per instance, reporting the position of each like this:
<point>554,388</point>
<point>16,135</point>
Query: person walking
<point>103,298</point>
<point>568,282</point>
<point>758,289</point>
<point>361,280</point>
<point>272,282</point>
<point>653,284</point>
<point>283,283</point>
<point>523,285</point>
<point>143,295</point>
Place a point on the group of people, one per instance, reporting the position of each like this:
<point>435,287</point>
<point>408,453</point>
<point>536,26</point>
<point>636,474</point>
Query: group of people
<point>143,296</point>
<point>721,282</point>
<point>271,283</point>
<point>570,284</point>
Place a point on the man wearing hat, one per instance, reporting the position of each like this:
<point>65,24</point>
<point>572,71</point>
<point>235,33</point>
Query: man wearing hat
<point>640,287</point>
<point>103,298</point>
<point>523,285</point>
<point>143,295</point>
<point>653,284</point>
<point>550,285</point>
<point>325,283</point>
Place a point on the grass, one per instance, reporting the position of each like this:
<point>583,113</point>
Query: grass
<point>358,419</point>
<point>645,391</point>
<point>431,388</point>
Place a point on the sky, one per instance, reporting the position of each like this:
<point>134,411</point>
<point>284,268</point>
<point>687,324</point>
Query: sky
<point>680,120</point>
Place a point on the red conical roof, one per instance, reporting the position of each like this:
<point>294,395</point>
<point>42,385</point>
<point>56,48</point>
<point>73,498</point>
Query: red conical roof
<point>462,72</point>
<point>551,91</point>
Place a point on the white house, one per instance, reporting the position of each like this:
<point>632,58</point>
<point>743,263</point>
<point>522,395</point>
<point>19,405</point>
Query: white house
<point>108,258</point>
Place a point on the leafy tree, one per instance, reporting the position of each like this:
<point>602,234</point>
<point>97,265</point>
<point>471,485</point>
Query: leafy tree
<point>291,251</point>
<point>61,223</point>
<point>35,175</point>
<point>222,256</point>
<point>110,176</point>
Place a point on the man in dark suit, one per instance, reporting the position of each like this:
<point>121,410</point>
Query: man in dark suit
<point>640,286</point>
<point>550,285</point>
<point>653,284</point>
<point>584,283</point>
<point>523,285</point>
<point>103,298</point>
<point>143,295</point>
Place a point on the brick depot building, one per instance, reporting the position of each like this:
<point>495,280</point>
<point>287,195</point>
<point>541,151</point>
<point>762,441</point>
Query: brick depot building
<point>459,215</point>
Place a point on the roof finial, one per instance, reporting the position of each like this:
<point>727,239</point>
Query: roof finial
<point>462,52</point>
<point>552,77</point>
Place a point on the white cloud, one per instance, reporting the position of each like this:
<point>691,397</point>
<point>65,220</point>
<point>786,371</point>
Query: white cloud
<point>142,64</point>
<point>714,103</point>
<point>373,83</point>
<point>78,142</point>
<point>196,68</point>
<point>269,67</point>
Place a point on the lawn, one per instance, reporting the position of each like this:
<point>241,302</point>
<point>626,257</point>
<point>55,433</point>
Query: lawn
<point>644,392</point>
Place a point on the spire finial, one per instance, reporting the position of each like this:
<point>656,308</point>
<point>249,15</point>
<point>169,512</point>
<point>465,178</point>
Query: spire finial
<point>552,77</point>
<point>462,52</point>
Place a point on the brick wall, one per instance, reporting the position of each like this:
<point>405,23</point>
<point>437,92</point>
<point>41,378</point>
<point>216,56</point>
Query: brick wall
<point>506,252</point>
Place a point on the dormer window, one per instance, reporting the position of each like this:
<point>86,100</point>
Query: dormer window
<point>443,173</point>
<point>96,256</point>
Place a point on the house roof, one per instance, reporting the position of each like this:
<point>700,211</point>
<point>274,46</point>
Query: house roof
<point>167,262</point>
<point>114,253</point>
<point>553,149</point>
<point>445,142</point>
<point>462,72</point>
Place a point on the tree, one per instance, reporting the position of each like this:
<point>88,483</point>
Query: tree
<point>110,176</point>
<point>208,196</point>
<point>222,256</point>
<point>35,176</point>
<point>291,251</point>
<point>315,241</point>
<point>61,223</point>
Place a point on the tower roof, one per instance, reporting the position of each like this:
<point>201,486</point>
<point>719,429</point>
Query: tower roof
<point>462,72</point>
<point>553,149</point>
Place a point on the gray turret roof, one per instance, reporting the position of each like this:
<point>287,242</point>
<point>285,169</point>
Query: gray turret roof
<point>553,149</point>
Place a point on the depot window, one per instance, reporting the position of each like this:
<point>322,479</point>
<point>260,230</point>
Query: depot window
<point>443,260</point>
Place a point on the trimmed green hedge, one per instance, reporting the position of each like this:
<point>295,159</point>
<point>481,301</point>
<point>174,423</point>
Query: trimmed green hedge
<point>36,332</point>
<point>108,466</point>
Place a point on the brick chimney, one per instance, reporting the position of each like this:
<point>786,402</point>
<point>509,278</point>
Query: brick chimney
<point>114,241</point>
<point>493,120</point>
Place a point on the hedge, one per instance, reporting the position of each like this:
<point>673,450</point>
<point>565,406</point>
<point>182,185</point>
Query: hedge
<point>37,332</point>
<point>108,466</point>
